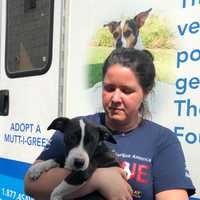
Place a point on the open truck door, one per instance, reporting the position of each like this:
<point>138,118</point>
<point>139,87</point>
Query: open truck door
<point>29,86</point>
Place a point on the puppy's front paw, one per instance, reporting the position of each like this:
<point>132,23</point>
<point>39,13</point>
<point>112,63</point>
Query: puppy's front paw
<point>34,172</point>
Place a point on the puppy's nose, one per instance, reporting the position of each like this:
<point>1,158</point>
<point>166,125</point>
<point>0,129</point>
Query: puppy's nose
<point>78,163</point>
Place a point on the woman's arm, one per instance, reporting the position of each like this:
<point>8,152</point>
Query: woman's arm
<point>172,195</point>
<point>110,182</point>
<point>41,188</point>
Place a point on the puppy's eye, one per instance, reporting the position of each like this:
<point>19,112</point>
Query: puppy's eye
<point>127,34</point>
<point>87,140</point>
<point>72,138</point>
<point>115,35</point>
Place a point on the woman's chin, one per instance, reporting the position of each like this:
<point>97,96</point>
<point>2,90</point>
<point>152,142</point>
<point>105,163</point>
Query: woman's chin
<point>116,117</point>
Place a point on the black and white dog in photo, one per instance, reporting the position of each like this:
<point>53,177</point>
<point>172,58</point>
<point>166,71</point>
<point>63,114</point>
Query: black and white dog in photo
<point>85,151</point>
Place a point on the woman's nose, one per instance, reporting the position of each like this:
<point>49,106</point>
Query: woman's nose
<point>116,96</point>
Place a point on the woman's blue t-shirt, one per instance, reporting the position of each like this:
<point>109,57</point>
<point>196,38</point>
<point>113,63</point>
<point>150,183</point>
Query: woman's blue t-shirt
<point>150,154</point>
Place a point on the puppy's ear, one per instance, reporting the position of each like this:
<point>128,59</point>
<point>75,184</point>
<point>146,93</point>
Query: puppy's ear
<point>59,124</point>
<point>106,134</point>
<point>141,18</point>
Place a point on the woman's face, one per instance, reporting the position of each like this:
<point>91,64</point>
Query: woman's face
<point>122,96</point>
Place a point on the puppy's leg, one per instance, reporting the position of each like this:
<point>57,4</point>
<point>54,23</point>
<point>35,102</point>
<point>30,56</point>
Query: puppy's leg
<point>36,170</point>
<point>72,183</point>
<point>63,189</point>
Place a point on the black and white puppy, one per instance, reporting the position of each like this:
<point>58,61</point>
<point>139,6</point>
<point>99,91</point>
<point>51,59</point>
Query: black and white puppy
<point>85,151</point>
<point>126,32</point>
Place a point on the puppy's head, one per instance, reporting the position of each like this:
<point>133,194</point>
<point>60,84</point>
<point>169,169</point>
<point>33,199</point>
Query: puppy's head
<point>125,33</point>
<point>81,139</point>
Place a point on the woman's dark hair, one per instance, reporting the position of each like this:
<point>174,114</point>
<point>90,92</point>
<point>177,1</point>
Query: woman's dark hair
<point>140,62</point>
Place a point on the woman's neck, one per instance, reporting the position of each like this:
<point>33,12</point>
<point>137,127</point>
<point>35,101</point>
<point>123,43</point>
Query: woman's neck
<point>122,126</point>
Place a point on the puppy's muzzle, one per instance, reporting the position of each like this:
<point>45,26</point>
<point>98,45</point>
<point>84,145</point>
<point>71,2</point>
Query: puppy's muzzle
<point>78,163</point>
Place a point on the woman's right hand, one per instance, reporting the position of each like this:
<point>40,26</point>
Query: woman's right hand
<point>112,183</point>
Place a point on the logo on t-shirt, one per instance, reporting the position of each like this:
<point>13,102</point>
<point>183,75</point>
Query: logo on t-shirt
<point>137,171</point>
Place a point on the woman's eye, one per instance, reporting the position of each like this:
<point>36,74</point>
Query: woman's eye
<point>127,90</point>
<point>109,88</point>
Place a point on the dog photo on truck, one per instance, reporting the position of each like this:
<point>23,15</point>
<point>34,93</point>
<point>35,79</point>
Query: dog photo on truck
<point>145,30</point>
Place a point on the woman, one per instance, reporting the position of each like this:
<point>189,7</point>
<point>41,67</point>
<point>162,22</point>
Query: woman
<point>150,154</point>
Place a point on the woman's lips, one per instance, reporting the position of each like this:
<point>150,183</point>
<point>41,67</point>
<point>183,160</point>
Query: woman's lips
<point>115,109</point>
